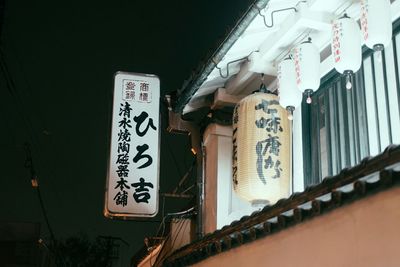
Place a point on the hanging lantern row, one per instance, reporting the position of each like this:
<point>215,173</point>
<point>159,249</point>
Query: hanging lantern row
<point>346,48</point>
<point>376,26</point>
<point>376,23</point>
<point>261,137</point>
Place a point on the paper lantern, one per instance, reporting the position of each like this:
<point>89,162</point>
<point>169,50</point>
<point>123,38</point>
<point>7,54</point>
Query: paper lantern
<point>346,47</point>
<point>261,149</point>
<point>376,23</point>
<point>289,95</point>
<point>307,64</point>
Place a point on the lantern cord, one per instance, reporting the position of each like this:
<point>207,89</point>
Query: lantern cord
<point>263,88</point>
<point>346,6</point>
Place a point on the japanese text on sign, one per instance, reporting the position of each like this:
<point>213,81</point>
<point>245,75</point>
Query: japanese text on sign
<point>132,182</point>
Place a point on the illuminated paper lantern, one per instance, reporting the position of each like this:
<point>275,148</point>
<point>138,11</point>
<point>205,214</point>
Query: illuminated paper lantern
<point>307,65</point>
<point>289,95</point>
<point>346,47</point>
<point>261,149</point>
<point>376,23</point>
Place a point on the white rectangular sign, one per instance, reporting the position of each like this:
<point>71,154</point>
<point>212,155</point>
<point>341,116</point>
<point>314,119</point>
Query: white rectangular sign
<point>133,166</point>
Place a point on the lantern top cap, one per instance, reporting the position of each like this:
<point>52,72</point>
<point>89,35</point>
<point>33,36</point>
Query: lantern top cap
<point>345,16</point>
<point>308,41</point>
<point>263,88</point>
<point>289,57</point>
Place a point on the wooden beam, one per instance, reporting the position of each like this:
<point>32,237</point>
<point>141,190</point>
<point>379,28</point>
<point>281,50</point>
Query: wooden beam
<point>223,99</point>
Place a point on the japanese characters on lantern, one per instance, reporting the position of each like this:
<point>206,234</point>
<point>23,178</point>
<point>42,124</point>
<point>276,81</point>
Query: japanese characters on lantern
<point>261,162</point>
<point>133,173</point>
<point>346,45</point>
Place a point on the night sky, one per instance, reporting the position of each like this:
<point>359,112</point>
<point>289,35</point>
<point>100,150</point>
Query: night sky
<point>61,58</point>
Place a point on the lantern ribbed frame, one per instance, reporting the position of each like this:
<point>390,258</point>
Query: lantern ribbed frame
<point>246,137</point>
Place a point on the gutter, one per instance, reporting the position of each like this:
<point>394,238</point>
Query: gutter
<point>194,83</point>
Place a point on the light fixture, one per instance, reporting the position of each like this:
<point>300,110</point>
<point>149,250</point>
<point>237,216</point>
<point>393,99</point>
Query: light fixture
<point>261,149</point>
<point>289,95</point>
<point>376,24</point>
<point>307,64</point>
<point>346,47</point>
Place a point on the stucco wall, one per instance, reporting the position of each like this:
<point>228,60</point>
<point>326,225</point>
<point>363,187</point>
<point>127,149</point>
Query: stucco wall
<point>365,233</point>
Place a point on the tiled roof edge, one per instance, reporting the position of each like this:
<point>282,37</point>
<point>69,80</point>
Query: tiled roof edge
<point>194,82</point>
<point>252,227</point>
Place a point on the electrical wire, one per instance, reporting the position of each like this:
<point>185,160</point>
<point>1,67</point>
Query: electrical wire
<point>181,222</point>
<point>161,250</point>
<point>29,165</point>
<point>14,93</point>
<point>184,178</point>
<point>23,113</point>
<point>173,157</point>
<point>177,233</point>
<point>180,213</point>
<point>187,189</point>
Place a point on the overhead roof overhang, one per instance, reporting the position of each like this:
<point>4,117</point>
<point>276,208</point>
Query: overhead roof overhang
<point>252,48</point>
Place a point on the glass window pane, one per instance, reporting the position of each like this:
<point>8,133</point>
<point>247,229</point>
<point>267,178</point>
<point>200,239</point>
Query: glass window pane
<point>393,90</point>
<point>371,110</point>
<point>383,118</point>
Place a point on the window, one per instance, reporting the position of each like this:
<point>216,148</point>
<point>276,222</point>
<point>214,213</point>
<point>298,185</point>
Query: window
<point>342,126</point>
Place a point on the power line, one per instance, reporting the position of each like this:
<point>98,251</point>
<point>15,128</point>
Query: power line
<point>160,257</point>
<point>30,132</point>
<point>173,157</point>
<point>181,215</point>
<point>19,103</point>
<point>35,184</point>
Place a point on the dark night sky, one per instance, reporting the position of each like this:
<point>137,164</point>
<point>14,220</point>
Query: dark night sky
<point>62,57</point>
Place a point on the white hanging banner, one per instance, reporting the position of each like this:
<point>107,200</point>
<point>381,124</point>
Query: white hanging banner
<point>133,166</point>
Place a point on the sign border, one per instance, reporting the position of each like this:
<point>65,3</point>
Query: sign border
<point>130,216</point>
